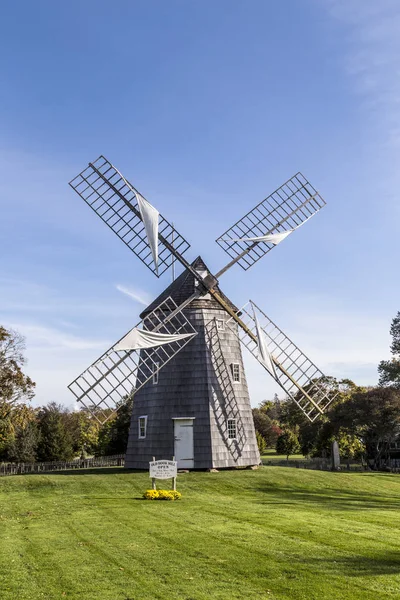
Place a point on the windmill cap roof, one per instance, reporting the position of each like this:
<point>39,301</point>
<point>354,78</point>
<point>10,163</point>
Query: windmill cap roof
<point>183,287</point>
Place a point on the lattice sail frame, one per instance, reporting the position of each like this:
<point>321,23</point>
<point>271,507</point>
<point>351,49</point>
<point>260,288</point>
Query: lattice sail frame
<point>116,376</point>
<point>113,198</point>
<point>286,208</point>
<point>294,370</point>
<point>224,402</point>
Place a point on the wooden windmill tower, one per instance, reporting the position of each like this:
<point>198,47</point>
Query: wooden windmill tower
<point>183,362</point>
<point>197,408</point>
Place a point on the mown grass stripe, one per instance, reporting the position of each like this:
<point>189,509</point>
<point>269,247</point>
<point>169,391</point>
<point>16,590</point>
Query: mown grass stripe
<point>275,533</point>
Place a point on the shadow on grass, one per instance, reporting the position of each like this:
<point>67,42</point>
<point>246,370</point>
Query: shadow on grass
<point>115,499</point>
<point>333,499</point>
<point>359,566</point>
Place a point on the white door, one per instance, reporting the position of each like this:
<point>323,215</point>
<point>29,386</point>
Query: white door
<point>184,453</point>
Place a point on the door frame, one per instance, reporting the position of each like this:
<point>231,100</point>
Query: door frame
<point>189,462</point>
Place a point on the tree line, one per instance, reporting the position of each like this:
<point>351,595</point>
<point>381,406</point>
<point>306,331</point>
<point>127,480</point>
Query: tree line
<point>365,421</point>
<point>55,433</point>
<point>51,432</point>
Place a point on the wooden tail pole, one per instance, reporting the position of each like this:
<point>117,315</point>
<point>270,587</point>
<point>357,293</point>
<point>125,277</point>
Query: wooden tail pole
<point>153,481</point>
<point>174,479</point>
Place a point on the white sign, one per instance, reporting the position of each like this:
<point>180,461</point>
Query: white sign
<point>163,469</point>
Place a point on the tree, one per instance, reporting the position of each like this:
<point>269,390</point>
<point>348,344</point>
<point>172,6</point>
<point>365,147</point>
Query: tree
<point>272,408</point>
<point>389,370</point>
<point>6,429</point>
<point>266,427</point>
<point>261,443</point>
<point>84,431</point>
<point>104,440</point>
<point>113,436</point>
<point>14,420</point>
<point>55,441</point>
<point>316,437</point>
<point>14,384</point>
<point>291,415</point>
<point>350,446</point>
<point>373,417</point>
<point>24,444</point>
<point>309,436</point>
<point>288,443</point>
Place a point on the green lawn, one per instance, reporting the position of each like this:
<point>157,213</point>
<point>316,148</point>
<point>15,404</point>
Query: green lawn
<point>276,533</point>
<point>271,455</point>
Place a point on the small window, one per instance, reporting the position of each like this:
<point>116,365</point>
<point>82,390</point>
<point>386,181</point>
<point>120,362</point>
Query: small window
<point>156,366</point>
<point>220,324</point>
<point>235,372</point>
<point>142,427</point>
<point>232,429</point>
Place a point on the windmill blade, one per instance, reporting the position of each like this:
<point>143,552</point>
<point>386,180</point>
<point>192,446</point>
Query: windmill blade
<point>271,221</point>
<point>135,221</point>
<point>291,368</point>
<point>130,363</point>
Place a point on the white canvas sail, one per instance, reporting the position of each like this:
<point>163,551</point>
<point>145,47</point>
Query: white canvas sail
<point>138,339</point>
<point>149,216</point>
<point>272,238</point>
<point>264,355</point>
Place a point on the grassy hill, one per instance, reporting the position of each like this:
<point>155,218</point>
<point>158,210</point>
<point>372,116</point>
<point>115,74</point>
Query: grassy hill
<point>275,533</point>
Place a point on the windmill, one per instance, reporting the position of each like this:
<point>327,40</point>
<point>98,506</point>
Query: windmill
<point>182,362</point>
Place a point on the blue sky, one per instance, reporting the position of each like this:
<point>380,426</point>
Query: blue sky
<point>206,107</point>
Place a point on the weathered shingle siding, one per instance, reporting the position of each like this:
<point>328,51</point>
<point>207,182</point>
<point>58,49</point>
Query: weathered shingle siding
<point>228,399</point>
<point>181,391</point>
<point>197,383</point>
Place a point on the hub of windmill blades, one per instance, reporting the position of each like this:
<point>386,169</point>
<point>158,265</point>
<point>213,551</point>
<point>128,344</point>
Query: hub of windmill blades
<point>110,380</point>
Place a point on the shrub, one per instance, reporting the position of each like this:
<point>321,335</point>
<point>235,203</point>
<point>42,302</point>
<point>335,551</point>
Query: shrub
<point>287,443</point>
<point>261,443</point>
<point>162,495</point>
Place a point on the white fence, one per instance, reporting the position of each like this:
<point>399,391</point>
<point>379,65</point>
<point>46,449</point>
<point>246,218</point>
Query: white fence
<point>324,464</point>
<point>45,467</point>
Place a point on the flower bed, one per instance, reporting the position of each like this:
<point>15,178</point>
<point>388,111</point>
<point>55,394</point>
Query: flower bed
<point>162,495</point>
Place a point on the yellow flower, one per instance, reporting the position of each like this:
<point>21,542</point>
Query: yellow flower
<point>162,495</point>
